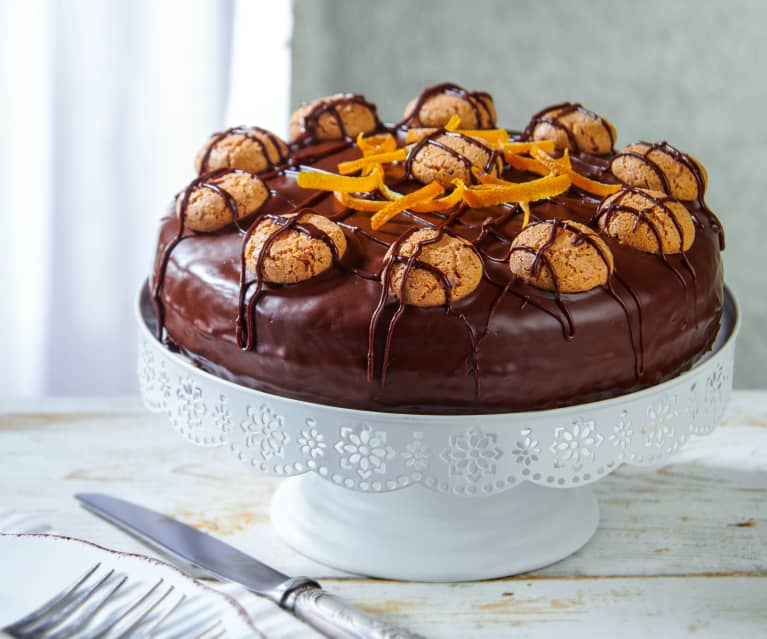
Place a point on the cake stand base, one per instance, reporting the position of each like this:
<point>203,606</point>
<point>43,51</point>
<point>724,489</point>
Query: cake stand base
<point>418,535</point>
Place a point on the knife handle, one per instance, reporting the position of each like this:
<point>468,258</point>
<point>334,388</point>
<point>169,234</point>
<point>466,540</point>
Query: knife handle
<point>337,619</point>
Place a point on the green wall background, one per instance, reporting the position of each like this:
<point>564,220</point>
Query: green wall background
<point>689,72</point>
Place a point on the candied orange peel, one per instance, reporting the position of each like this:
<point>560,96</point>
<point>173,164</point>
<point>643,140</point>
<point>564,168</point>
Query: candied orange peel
<point>526,147</point>
<point>400,155</point>
<point>453,123</point>
<point>422,196</point>
<point>557,166</point>
<point>493,191</point>
<point>444,203</point>
<point>592,186</point>
<point>526,213</point>
<point>496,138</point>
<point>367,190</point>
<point>377,143</point>
<point>543,164</point>
<point>359,203</point>
<point>331,182</point>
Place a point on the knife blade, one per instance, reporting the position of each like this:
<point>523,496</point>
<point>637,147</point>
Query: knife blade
<point>300,595</point>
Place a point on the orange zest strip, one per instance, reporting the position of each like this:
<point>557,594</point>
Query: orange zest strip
<point>527,164</point>
<point>581,181</point>
<point>378,143</point>
<point>392,209</point>
<point>359,203</point>
<point>526,147</point>
<point>487,178</point>
<point>492,194</point>
<point>378,158</point>
<point>526,210</point>
<point>453,123</point>
<point>444,203</point>
<point>558,166</point>
<point>592,186</point>
<point>416,135</point>
<point>332,182</point>
<point>389,194</point>
<point>498,138</point>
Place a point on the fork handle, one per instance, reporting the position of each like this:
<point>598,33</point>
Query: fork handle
<point>337,619</point>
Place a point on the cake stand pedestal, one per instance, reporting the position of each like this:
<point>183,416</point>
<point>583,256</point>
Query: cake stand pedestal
<point>436,497</point>
<point>418,535</point>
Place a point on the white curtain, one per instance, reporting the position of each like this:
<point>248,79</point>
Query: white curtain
<point>102,108</point>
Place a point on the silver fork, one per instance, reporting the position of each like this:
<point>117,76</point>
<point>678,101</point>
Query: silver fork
<point>88,608</point>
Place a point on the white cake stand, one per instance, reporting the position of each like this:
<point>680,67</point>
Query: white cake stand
<point>435,497</point>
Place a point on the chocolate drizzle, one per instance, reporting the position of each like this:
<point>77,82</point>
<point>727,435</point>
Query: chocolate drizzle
<point>541,260</point>
<point>411,262</point>
<point>617,205</point>
<point>245,330</point>
<point>685,160</point>
<point>204,181</point>
<point>545,116</point>
<point>477,100</point>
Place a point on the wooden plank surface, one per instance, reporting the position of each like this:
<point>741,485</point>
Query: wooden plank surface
<point>682,547</point>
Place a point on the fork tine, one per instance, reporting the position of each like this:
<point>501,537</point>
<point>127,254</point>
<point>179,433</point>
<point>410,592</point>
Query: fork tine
<point>164,617</point>
<point>73,629</point>
<point>52,604</point>
<point>111,624</point>
<point>188,624</point>
<point>211,628</point>
<point>145,615</point>
<point>67,608</point>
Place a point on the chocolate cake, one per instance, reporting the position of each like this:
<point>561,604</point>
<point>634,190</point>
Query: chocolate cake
<point>440,264</point>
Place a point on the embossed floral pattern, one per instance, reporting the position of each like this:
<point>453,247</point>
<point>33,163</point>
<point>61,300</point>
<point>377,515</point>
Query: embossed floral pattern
<point>576,444</point>
<point>715,384</point>
<point>417,454</point>
<point>164,386</point>
<point>472,454</point>
<point>526,450</point>
<point>363,450</point>
<point>190,407</point>
<point>147,372</point>
<point>222,416</point>
<point>659,429</point>
<point>311,441</point>
<point>264,431</point>
<point>697,412</point>
<point>621,434</point>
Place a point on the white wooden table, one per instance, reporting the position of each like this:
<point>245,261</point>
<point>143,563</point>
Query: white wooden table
<point>681,550</point>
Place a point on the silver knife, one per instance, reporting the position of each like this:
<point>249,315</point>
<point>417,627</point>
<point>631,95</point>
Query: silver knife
<point>300,595</point>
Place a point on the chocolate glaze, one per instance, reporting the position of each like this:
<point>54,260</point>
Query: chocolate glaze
<point>341,339</point>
